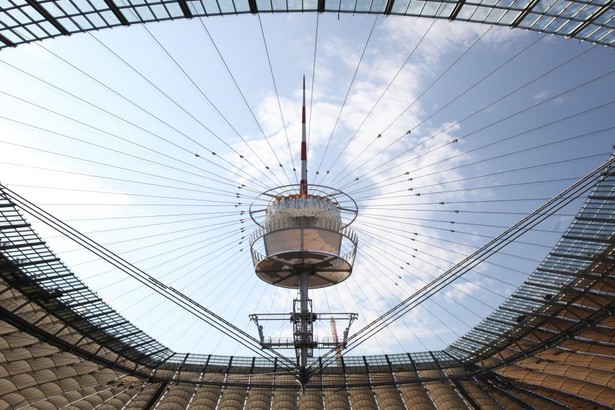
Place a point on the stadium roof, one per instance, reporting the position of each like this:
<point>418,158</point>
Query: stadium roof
<point>24,21</point>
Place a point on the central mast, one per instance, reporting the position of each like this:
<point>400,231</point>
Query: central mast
<point>305,322</point>
<point>303,243</point>
<point>303,186</point>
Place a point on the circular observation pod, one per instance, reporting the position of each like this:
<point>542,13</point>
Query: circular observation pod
<point>303,234</point>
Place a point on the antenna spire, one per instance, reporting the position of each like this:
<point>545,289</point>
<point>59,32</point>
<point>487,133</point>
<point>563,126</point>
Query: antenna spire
<point>303,185</point>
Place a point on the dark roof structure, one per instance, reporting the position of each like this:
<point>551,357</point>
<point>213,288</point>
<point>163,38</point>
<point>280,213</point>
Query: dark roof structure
<point>33,20</point>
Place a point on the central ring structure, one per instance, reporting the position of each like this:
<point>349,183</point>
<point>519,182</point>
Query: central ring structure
<point>302,234</point>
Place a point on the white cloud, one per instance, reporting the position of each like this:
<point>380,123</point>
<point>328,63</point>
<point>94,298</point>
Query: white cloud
<point>541,95</point>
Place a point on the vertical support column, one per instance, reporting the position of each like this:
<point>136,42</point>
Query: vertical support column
<point>304,316</point>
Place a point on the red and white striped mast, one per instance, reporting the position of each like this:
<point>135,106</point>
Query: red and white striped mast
<point>303,185</point>
<point>304,272</point>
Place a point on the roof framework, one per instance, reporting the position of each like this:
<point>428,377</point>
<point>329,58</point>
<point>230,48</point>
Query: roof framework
<point>25,21</point>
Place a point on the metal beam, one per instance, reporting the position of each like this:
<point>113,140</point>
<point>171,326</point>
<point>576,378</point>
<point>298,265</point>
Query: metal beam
<point>14,226</point>
<point>253,6</point>
<point>321,6</point>
<point>118,14</point>
<point>468,397</point>
<point>456,10</point>
<point>505,391</point>
<point>594,219</point>
<point>47,16</point>
<point>185,9</point>
<point>389,7</point>
<point>154,399</point>
<point>21,245</point>
<point>7,41</point>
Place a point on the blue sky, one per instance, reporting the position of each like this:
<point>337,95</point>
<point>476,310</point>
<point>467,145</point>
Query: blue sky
<point>115,132</point>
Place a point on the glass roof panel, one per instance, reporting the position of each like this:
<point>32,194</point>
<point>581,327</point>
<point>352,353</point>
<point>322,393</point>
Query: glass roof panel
<point>550,5</point>
<point>159,11</point>
<point>279,5</point>
<point>495,16</point>
<point>147,10</point>
<point>40,29</point>
<point>361,6</point>
<point>446,10</point>
<point>486,3</point>
<point>144,13</point>
<point>264,5</point>
<point>227,7</point>
<point>212,7</point>
<point>174,10</point>
<point>19,16</point>
<point>345,5</point>
<point>467,12</point>
<point>519,4</point>
<point>196,7</point>
<point>416,7</point>
<point>482,13</point>
<point>77,21</point>
<point>432,9</point>
<point>242,6</point>
<point>400,6</point>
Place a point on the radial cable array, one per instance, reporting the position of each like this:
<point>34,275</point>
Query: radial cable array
<point>467,264</point>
